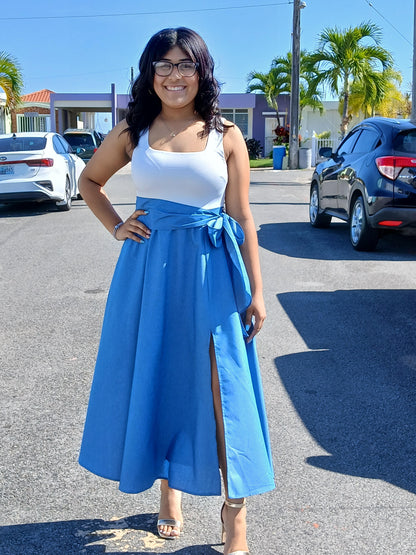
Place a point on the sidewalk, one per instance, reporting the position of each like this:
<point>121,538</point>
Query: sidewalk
<point>268,175</point>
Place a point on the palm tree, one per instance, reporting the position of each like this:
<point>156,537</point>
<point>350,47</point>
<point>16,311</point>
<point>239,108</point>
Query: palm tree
<point>11,80</point>
<point>380,95</point>
<point>309,95</point>
<point>345,56</point>
<point>271,84</point>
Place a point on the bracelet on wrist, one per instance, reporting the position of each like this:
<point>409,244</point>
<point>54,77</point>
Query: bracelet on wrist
<point>116,228</point>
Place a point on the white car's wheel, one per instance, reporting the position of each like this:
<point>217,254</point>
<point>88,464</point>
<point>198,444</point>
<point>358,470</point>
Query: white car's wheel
<point>66,203</point>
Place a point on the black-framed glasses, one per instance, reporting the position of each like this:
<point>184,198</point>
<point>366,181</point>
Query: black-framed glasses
<point>164,69</point>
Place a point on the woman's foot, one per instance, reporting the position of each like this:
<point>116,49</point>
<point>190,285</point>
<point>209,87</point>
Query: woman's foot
<point>234,523</point>
<point>169,524</point>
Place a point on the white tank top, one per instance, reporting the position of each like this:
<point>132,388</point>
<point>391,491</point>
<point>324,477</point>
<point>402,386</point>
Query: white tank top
<point>193,178</point>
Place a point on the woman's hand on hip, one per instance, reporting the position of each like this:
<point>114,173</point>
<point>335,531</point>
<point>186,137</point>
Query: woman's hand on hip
<point>133,228</point>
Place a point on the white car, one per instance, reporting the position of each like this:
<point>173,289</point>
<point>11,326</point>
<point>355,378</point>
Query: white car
<point>37,167</point>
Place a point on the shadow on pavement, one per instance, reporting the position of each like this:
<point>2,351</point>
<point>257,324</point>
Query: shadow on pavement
<point>282,183</point>
<point>355,390</point>
<point>30,209</point>
<point>74,537</point>
<point>301,240</point>
<point>279,203</point>
<point>24,209</point>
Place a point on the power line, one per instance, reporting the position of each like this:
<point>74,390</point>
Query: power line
<point>389,22</point>
<point>70,16</point>
<point>49,76</point>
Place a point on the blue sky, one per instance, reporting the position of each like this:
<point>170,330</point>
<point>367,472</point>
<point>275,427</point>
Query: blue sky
<point>87,54</point>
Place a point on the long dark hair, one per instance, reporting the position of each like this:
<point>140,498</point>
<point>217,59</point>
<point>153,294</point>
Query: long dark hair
<point>145,105</point>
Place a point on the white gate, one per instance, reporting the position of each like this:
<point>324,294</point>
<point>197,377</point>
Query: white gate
<point>319,143</point>
<point>33,123</point>
<point>270,125</point>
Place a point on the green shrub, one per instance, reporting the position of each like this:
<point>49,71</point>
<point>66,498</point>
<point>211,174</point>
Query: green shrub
<point>323,135</point>
<point>254,148</point>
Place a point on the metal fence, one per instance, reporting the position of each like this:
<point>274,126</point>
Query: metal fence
<point>32,123</point>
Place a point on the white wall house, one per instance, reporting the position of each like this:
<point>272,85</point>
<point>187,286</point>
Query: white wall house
<point>330,120</point>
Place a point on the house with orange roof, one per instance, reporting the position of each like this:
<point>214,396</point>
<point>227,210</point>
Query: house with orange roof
<point>34,113</point>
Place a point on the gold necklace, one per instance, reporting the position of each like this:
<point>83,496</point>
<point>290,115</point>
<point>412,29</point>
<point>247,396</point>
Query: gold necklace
<point>174,133</point>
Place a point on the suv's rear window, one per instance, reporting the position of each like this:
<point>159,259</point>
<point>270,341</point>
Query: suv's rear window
<point>405,141</point>
<point>20,144</point>
<point>79,139</point>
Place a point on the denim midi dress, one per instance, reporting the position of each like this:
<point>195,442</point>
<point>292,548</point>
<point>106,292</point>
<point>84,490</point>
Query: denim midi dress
<point>150,413</point>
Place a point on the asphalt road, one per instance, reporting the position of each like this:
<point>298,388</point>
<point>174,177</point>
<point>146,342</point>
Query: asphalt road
<point>338,356</point>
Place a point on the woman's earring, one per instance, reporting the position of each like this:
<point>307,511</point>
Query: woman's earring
<point>150,91</point>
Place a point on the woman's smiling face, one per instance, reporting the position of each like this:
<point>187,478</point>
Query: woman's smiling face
<point>176,91</point>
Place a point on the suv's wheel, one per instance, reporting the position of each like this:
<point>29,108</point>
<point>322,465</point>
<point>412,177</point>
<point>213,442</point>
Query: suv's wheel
<point>317,219</point>
<point>66,203</point>
<point>362,236</point>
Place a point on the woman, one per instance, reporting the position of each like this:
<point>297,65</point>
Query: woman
<point>176,393</point>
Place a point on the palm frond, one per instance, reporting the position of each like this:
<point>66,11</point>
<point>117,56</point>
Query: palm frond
<point>11,80</point>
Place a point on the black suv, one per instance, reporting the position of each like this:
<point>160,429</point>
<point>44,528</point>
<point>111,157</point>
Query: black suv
<point>84,142</point>
<point>370,181</point>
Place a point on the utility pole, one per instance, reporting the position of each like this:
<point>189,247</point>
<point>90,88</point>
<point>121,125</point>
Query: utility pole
<point>294,88</point>
<point>413,117</point>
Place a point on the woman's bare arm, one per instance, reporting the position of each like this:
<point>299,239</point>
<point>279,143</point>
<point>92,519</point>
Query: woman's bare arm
<point>237,206</point>
<point>114,153</point>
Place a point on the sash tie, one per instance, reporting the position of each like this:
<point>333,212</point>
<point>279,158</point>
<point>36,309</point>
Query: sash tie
<point>221,228</point>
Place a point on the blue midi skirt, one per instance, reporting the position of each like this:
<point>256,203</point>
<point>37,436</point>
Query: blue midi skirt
<point>151,413</point>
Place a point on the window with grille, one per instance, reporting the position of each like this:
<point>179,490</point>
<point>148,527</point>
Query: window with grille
<point>239,116</point>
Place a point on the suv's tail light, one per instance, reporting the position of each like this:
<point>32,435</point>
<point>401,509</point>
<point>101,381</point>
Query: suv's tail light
<point>391,166</point>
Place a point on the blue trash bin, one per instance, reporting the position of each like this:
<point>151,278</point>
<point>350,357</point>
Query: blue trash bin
<point>279,152</point>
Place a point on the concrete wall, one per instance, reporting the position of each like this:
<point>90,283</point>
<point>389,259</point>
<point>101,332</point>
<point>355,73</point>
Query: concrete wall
<point>330,120</point>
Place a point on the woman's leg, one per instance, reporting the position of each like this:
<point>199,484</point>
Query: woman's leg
<point>170,507</point>
<point>234,519</point>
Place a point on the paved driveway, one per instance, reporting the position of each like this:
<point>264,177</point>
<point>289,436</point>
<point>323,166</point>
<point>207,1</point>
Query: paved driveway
<point>339,369</point>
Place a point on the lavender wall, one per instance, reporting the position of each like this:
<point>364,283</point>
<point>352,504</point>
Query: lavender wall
<point>237,100</point>
<point>123,100</point>
<point>259,105</point>
<point>262,106</point>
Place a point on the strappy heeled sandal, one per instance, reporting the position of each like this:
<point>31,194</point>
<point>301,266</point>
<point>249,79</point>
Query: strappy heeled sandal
<point>172,522</point>
<point>169,522</point>
<point>233,506</point>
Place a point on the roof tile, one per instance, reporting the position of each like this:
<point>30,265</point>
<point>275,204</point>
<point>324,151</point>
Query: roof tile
<point>39,96</point>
